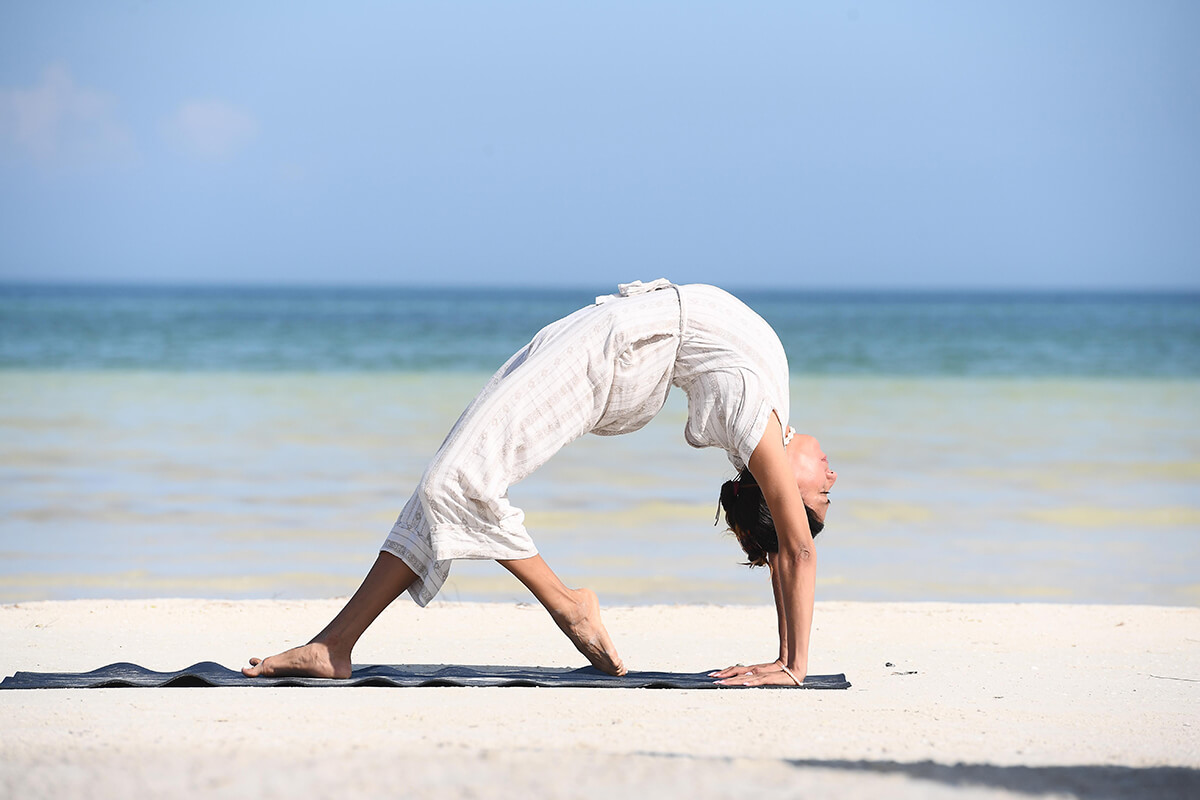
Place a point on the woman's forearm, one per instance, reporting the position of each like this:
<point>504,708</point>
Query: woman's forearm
<point>780,609</point>
<point>797,572</point>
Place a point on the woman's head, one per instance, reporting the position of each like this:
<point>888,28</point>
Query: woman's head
<point>747,515</point>
<point>811,469</point>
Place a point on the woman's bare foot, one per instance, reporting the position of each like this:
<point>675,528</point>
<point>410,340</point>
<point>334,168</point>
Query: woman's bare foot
<point>581,623</point>
<point>313,660</point>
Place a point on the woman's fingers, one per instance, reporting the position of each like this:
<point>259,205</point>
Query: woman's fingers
<point>729,672</point>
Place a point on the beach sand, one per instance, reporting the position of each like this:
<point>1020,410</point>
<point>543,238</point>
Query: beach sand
<point>948,700</point>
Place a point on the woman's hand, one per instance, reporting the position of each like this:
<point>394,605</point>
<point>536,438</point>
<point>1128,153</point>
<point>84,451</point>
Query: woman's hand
<point>772,674</point>
<point>742,669</point>
<point>776,678</point>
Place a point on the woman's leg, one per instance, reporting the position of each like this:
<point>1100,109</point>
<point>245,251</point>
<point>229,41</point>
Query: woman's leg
<point>328,655</point>
<point>575,611</point>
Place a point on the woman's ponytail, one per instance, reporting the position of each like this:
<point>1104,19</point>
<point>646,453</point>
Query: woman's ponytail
<point>747,515</point>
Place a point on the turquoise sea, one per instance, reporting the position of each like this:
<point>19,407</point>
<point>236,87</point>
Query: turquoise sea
<point>258,442</point>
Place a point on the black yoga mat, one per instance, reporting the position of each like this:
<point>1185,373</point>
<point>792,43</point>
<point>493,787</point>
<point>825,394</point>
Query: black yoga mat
<point>206,673</point>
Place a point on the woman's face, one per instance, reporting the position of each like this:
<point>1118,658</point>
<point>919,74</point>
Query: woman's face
<point>813,475</point>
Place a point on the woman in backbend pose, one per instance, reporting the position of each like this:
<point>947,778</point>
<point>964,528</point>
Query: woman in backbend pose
<point>606,369</point>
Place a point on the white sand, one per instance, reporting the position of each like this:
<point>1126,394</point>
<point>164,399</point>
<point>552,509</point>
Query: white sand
<point>1004,701</point>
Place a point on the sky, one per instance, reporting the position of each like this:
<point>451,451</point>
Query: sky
<point>891,145</point>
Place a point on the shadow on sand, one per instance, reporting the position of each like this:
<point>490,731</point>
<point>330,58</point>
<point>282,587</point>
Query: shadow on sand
<point>1101,782</point>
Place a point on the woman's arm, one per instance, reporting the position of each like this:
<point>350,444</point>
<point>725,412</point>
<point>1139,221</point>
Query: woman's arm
<point>793,568</point>
<point>777,593</point>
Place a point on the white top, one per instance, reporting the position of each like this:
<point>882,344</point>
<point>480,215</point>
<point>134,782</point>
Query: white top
<point>606,369</point>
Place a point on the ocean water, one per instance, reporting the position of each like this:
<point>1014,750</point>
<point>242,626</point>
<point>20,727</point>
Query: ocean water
<point>421,330</point>
<point>178,441</point>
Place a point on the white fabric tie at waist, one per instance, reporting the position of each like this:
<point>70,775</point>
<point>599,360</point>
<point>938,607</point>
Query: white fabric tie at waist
<point>637,287</point>
<point>631,289</point>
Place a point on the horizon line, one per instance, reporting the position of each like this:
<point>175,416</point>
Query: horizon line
<point>533,286</point>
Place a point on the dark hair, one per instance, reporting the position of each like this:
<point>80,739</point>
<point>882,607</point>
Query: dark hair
<point>747,515</point>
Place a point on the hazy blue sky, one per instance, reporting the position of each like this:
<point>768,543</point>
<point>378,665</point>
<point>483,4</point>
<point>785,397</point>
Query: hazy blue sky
<point>892,144</point>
